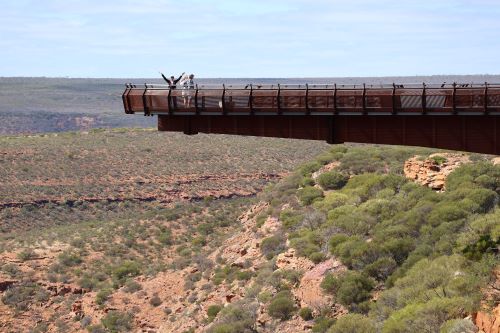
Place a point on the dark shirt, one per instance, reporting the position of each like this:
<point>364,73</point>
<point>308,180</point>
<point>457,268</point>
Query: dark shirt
<point>171,84</point>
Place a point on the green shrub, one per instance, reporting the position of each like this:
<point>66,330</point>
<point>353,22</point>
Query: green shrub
<point>439,159</point>
<point>290,218</point>
<point>355,223</point>
<point>282,306</point>
<point>264,296</point>
<point>308,168</point>
<point>332,180</point>
<point>235,318</point>
<point>116,321</point>
<point>484,245</point>
<point>155,301</point>
<point>308,194</point>
<point>304,246</point>
<point>21,296</point>
<point>307,181</point>
<point>441,278</point>
<point>353,323</point>
<point>446,212</point>
<point>336,240</point>
<point>317,257</point>
<point>131,286</point>
<point>26,254</point>
<point>350,288</point>
<point>322,324</point>
<point>381,269</point>
<point>213,311</point>
<point>126,269</point>
<point>483,174</point>
<point>458,326</point>
<point>306,313</point>
<point>424,317</point>
<point>102,296</point>
<point>165,237</point>
<point>70,259</point>
<point>272,246</point>
<point>332,200</point>
<point>244,275</point>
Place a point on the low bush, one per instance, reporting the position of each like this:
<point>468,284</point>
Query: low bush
<point>332,180</point>
<point>306,313</point>
<point>236,318</point>
<point>350,288</point>
<point>308,194</point>
<point>290,219</point>
<point>132,286</point>
<point>282,306</point>
<point>272,246</point>
<point>70,259</point>
<point>322,324</point>
<point>155,301</point>
<point>308,168</point>
<point>353,323</point>
<point>21,296</point>
<point>26,254</point>
<point>116,321</point>
<point>103,295</point>
<point>213,311</point>
<point>126,270</point>
<point>317,257</point>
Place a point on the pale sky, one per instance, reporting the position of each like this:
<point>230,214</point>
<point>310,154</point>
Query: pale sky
<point>254,38</point>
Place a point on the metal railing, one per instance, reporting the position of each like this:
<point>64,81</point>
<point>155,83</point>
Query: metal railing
<point>321,99</point>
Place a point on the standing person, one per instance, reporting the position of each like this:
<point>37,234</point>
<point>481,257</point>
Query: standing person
<point>187,88</point>
<point>172,84</point>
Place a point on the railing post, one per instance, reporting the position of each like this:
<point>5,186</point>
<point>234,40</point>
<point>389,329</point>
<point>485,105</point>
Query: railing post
<point>308,112</point>
<point>393,97</point>
<point>335,110</point>
<point>454,98</point>
<point>364,99</point>
<point>424,99</point>
<point>278,102</point>
<point>223,99</point>
<point>126,104</point>
<point>486,98</point>
<point>250,98</point>
<point>197,109</point>
<point>146,108</point>
<point>170,104</point>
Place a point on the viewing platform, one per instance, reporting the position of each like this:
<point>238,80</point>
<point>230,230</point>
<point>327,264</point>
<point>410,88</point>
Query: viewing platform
<point>460,116</point>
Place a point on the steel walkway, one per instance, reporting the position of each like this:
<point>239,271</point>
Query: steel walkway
<point>456,116</point>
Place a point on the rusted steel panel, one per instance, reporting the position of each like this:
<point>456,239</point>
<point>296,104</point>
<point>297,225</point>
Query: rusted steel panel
<point>468,133</point>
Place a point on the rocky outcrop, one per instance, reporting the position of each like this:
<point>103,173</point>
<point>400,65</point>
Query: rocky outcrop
<point>433,170</point>
<point>488,322</point>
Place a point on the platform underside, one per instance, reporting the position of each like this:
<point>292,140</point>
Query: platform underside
<point>466,133</point>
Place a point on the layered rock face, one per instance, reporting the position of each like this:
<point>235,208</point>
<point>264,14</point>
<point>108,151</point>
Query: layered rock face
<point>433,170</point>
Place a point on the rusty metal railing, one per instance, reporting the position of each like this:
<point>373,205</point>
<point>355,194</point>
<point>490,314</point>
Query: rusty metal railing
<point>307,99</point>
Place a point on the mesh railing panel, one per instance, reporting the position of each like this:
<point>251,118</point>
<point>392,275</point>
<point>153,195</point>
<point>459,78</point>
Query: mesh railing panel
<point>494,98</point>
<point>464,98</point>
